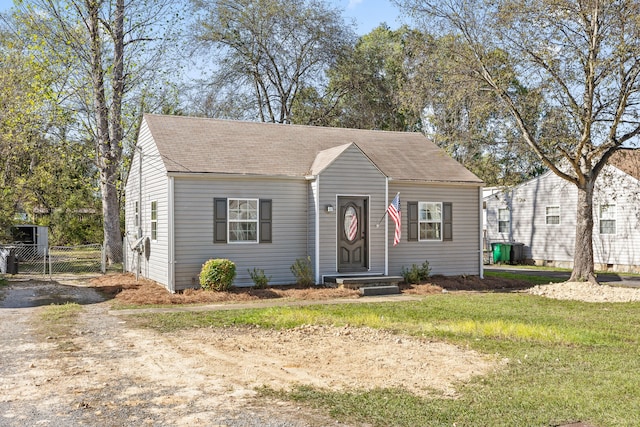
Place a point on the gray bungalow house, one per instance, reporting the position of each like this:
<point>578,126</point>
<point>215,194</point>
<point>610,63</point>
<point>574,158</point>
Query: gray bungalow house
<point>541,214</point>
<point>264,195</point>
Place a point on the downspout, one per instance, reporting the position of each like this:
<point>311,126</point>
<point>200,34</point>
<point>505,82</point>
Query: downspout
<point>171,236</point>
<point>139,224</point>
<point>316,200</point>
<point>480,221</point>
<point>386,228</point>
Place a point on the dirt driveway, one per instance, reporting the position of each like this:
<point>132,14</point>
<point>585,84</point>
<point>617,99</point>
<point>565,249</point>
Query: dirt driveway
<point>107,372</point>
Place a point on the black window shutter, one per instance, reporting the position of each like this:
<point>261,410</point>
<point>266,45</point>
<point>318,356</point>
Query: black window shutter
<point>412,221</point>
<point>265,221</point>
<point>447,221</point>
<point>219,220</point>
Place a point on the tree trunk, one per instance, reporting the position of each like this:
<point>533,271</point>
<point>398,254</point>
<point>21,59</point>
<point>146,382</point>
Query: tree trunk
<point>108,138</point>
<point>111,215</point>
<point>583,254</point>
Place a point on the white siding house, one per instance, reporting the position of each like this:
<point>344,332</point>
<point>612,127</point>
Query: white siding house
<point>541,214</point>
<point>264,195</point>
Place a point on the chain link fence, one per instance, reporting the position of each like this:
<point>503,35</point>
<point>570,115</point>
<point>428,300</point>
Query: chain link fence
<point>59,260</point>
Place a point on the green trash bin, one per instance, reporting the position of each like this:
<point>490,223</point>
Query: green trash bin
<point>501,252</point>
<point>496,248</point>
<point>505,252</point>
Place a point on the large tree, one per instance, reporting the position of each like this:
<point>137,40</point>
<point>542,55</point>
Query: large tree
<point>582,58</point>
<point>463,117</point>
<point>104,51</point>
<point>368,82</point>
<point>266,52</point>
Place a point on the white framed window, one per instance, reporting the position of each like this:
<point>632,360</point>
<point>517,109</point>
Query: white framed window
<point>552,215</point>
<point>430,220</point>
<point>243,220</point>
<point>154,220</point>
<point>504,218</point>
<point>136,219</point>
<point>607,219</point>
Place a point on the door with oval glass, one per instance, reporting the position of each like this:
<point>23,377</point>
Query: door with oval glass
<point>353,223</point>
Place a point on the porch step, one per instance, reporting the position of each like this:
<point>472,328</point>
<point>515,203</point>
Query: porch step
<point>380,290</point>
<point>357,282</point>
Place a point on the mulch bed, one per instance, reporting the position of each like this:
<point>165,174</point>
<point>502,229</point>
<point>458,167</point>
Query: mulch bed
<point>125,289</point>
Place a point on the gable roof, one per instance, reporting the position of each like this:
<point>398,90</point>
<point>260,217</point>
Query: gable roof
<point>628,161</point>
<point>201,145</point>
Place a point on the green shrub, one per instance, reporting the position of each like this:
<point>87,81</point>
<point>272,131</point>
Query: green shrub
<point>260,280</point>
<point>303,271</point>
<point>3,281</point>
<point>416,274</point>
<point>217,275</point>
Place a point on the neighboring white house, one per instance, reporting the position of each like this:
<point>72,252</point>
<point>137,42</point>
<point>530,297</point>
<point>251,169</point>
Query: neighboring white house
<point>264,195</point>
<point>541,214</point>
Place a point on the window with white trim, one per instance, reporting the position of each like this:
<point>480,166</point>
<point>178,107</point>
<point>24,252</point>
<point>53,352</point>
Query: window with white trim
<point>504,218</point>
<point>430,220</point>
<point>136,220</point>
<point>154,220</point>
<point>607,219</point>
<point>553,215</point>
<point>243,220</point>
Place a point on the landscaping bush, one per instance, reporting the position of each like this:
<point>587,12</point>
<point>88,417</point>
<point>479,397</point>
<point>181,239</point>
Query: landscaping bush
<point>217,274</point>
<point>303,271</point>
<point>416,274</point>
<point>260,280</point>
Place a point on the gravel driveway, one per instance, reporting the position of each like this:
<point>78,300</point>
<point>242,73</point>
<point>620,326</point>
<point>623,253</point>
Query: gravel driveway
<point>103,378</point>
<point>105,371</point>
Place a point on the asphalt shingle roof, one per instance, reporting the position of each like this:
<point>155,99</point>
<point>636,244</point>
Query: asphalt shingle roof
<point>628,161</point>
<point>202,145</point>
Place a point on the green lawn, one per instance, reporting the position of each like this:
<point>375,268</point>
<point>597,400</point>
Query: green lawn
<point>568,361</point>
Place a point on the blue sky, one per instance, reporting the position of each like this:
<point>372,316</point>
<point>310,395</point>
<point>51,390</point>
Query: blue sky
<point>368,14</point>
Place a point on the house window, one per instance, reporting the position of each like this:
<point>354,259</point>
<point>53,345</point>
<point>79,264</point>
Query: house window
<point>154,220</point>
<point>607,219</point>
<point>242,220</point>
<point>553,215</point>
<point>430,220</point>
<point>136,219</point>
<point>503,220</point>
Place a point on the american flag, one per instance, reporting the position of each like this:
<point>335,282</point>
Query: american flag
<point>394,212</point>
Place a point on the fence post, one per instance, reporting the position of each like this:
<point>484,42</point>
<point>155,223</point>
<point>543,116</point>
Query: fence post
<point>103,259</point>
<point>44,262</point>
<point>124,254</point>
<point>50,265</point>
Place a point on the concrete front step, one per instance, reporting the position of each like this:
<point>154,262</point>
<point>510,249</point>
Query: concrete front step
<point>379,290</point>
<point>357,282</point>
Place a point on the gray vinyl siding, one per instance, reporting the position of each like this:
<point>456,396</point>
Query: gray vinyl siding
<point>623,247</point>
<point>194,198</point>
<point>461,255</point>
<point>351,174</point>
<point>154,188</point>
<point>527,206</point>
<point>550,242</point>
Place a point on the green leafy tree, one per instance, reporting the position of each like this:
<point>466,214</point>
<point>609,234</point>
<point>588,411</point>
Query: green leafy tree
<point>104,52</point>
<point>463,116</point>
<point>580,59</point>
<point>268,52</point>
<point>368,82</point>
